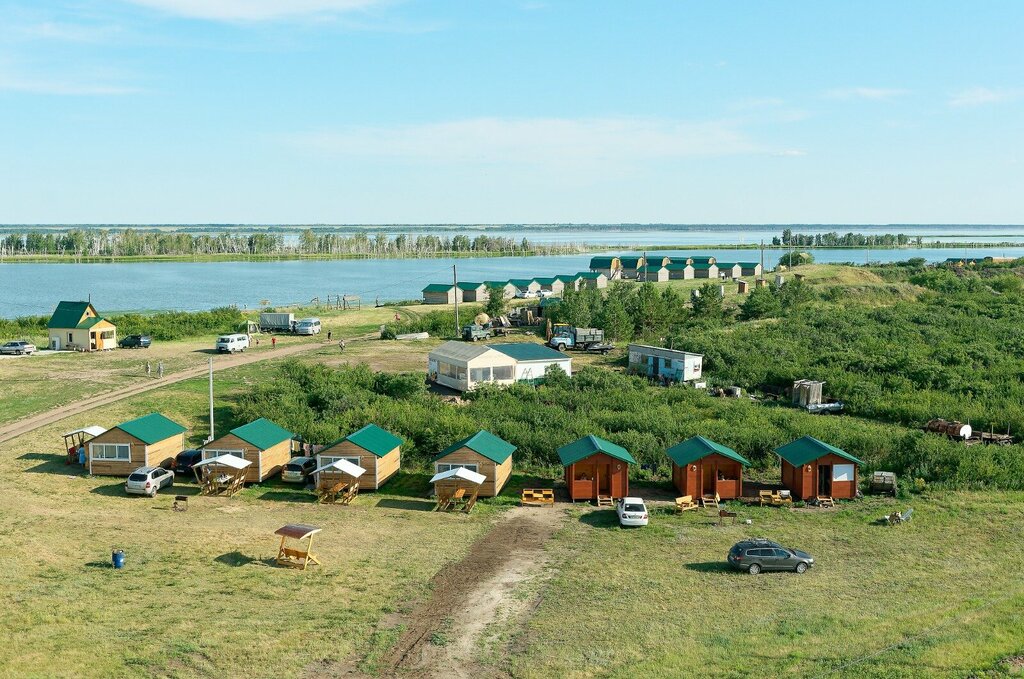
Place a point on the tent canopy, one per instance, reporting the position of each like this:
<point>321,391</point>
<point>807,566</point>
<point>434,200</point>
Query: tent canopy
<point>232,461</point>
<point>343,466</point>
<point>459,473</point>
<point>298,531</point>
<point>93,430</point>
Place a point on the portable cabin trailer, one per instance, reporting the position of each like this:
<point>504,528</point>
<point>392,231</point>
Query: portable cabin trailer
<point>482,453</point>
<point>148,441</point>
<point>526,284</point>
<point>681,271</point>
<point>265,444</point>
<point>750,269</point>
<point>611,267</point>
<point>631,266</point>
<point>441,293</point>
<point>76,326</point>
<point>811,468</point>
<point>372,448</point>
<point>701,467</point>
<point>592,279</point>
<point>570,281</point>
<point>670,365</point>
<point>553,285</point>
<point>595,468</point>
<point>507,289</point>
<point>729,270</point>
<point>473,292</point>
<point>653,273</point>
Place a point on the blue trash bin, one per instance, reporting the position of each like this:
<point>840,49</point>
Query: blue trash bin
<point>117,558</point>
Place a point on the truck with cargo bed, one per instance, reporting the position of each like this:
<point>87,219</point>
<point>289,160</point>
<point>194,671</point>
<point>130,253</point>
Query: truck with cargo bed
<point>277,322</point>
<point>579,339</point>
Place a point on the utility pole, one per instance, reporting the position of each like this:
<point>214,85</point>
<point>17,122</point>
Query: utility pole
<point>645,266</point>
<point>455,282</point>
<point>211,400</point>
<point>762,259</point>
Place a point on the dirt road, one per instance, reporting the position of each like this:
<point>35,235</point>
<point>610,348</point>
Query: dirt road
<point>23,426</point>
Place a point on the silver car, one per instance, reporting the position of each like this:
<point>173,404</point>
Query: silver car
<point>298,469</point>
<point>148,480</point>
<point>18,348</point>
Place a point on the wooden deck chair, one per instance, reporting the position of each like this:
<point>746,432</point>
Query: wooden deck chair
<point>709,501</point>
<point>684,503</point>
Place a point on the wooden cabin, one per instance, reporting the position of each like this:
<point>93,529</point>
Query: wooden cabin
<point>611,267</point>
<point>265,444</point>
<point>553,285</point>
<point>665,365</point>
<point>595,467</point>
<point>570,281</point>
<point>148,441</point>
<point>701,467</point>
<point>76,326</point>
<point>507,289</point>
<point>592,279</point>
<point>653,273</point>
<point>750,269</point>
<point>483,453</point>
<point>680,271</point>
<point>526,285</point>
<point>473,292</point>
<point>811,468</point>
<point>372,448</point>
<point>729,270</point>
<point>704,270</point>
<point>441,293</point>
<point>631,266</point>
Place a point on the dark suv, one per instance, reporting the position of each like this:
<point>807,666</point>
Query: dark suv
<point>136,342</point>
<point>757,554</point>
<point>185,459</point>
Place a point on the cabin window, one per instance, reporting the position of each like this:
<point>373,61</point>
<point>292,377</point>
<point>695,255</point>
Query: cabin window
<point>107,334</point>
<point>448,467</point>
<point>479,374</point>
<point>111,451</point>
<point>329,459</point>
<point>842,472</point>
<point>460,373</point>
<point>502,372</point>
<point>209,453</point>
<point>71,338</point>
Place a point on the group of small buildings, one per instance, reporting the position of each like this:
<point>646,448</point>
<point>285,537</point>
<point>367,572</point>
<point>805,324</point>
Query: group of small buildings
<point>463,291</point>
<point>463,366</point>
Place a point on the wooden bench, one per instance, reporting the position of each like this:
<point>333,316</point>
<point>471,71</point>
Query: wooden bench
<point>724,514</point>
<point>330,494</point>
<point>539,497</point>
<point>775,499</point>
<point>684,503</point>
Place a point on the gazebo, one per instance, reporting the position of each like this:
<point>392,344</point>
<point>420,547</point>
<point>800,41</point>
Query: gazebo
<point>221,475</point>
<point>338,481</point>
<point>453,486</point>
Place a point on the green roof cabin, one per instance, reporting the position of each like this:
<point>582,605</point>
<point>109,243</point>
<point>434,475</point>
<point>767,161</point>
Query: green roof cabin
<point>653,273</point>
<point>441,293</point>
<point>473,292</point>
<point>595,469</point>
<point>592,279</point>
<point>750,269</point>
<point>703,468</point>
<point>483,453</point>
<point>554,285</point>
<point>265,444</point>
<point>730,270</point>
<point>611,267</point>
<point>148,441</point>
<point>704,269</point>
<point>506,287</point>
<point>374,449</point>
<point>631,266</point>
<point>812,468</point>
<point>75,326</point>
<point>570,281</point>
<point>680,270</point>
<point>526,284</point>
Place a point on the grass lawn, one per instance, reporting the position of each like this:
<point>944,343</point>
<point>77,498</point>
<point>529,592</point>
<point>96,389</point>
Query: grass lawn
<point>941,596</point>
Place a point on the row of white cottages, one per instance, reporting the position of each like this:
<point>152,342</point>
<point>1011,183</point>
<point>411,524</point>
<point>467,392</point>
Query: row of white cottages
<point>449,293</point>
<point>655,269</point>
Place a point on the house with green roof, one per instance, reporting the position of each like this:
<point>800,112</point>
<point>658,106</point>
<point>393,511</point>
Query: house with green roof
<point>524,285</point>
<point>653,273</point>
<point>554,285</point>
<point>704,269</point>
<point>750,269</point>
<point>611,267</point>
<point>592,279</point>
<point>703,468</point>
<point>472,292</point>
<point>441,293</point>
<point>376,450</point>
<point>483,453</point>
<point>267,445</point>
<point>506,287</point>
<point>76,326</point>
<point>813,468</point>
<point>152,440</point>
<point>570,281</point>
<point>730,270</point>
<point>680,269</point>
<point>631,266</point>
<point>595,469</point>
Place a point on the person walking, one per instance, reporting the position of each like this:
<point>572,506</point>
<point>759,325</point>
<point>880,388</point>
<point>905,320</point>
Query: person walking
<point>149,369</point>
<point>160,370</point>
<point>329,335</point>
<point>341,344</point>
<point>81,454</point>
<point>397,317</point>
<point>273,343</point>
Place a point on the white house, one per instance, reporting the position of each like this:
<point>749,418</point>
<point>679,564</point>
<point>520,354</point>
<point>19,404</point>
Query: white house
<point>463,365</point>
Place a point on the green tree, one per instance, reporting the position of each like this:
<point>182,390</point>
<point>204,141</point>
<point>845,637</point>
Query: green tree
<point>760,303</point>
<point>615,320</point>
<point>647,310</point>
<point>709,305</point>
<point>496,302</point>
<point>576,308</point>
<point>792,259</point>
<point>794,294</point>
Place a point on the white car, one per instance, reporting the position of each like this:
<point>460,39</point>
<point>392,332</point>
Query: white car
<point>632,511</point>
<point>233,343</point>
<point>526,294</point>
<point>308,326</point>
<point>148,480</point>
<point>18,348</point>
<point>546,293</point>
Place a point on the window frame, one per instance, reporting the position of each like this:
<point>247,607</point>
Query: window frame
<point>117,449</point>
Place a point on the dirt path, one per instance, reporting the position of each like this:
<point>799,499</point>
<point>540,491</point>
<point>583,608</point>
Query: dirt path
<point>25,425</point>
<point>442,637</point>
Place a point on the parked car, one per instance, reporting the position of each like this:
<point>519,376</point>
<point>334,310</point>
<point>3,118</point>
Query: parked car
<point>298,469</point>
<point>135,342</point>
<point>526,294</point>
<point>758,554</point>
<point>632,511</point>
<point>18,348</point>
<point>233,343</point>
<point>547,293</point>
<point>148,480</point>
<point>184,460</point>
<point>308,326</point>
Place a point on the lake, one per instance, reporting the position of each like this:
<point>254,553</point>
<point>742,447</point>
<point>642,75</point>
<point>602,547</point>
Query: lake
<point>35,288</point>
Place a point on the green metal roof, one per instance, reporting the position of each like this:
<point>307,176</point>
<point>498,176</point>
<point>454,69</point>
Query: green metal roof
<point>807,449</point>
<point>546,281</point>
<point>438,287</point>
<point>469,286</point>
<point>373,439</point>
<point>702,259</point>
<point>702,265</point>
<point>693,449</point>
<point>91,321</point>
<point>749,265</point>
<point>677,266</point>
<point>262,433</point>
<point>68,314</point>
<point>151,428</point>
<point>589,445</point>
<point>568,278</point>
<point>522,282</point>
<point>590,275</point>
<point>527,351</point>
<point>725,265</point>
<point>485,443</point>
<point>652,268</point>
<point>602,262</point>
<point>496,284</point>
<point>630,262</point>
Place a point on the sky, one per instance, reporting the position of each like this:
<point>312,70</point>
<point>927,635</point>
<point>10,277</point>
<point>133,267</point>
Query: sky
<point>511,111</point>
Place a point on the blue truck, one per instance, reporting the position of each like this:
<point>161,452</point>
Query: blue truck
<point>581,339</point>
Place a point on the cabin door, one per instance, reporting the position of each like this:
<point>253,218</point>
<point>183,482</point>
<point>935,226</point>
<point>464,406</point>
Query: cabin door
<point>654,366</point>
<point>708,485</point>
<point>604,475</point>
<point>825,479</point>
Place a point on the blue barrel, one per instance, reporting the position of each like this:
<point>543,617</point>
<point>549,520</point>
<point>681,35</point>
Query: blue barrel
<point>117,558</point>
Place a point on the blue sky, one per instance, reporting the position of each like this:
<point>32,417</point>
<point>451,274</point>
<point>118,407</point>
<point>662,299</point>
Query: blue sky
<point>494,111</point>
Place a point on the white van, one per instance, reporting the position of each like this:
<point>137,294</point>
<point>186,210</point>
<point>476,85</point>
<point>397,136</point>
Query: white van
<point>233,343</point>
<point>308,326</point>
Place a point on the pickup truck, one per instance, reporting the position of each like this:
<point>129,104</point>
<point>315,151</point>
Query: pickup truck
<point>580,339</point>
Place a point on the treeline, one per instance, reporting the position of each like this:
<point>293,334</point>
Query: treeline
<point>165,325</point>
<point>323,404</point>
<point>137,243</point>
<point>833,239</point>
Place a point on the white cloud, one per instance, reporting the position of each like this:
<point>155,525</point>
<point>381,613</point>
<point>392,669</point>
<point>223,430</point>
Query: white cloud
<point>981,96</point>
<point>536,141</point>
<point>253,10</point>
<point>871,93</point>
<point>39,82</point>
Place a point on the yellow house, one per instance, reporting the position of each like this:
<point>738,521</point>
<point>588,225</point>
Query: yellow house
<point>75,326</point>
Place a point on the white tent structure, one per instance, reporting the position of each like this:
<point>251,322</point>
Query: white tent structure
<point>343,466</point>
<point>93,430</point>
<point>456,488</point>
<point>459,473</point>
<point>338,481</point>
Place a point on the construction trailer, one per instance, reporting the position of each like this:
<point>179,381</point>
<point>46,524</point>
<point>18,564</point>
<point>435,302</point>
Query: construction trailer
<point>667,365</point>
<point>482,453</point>
<point>266,445</point>
<point>372,448</point>
<point>704,468</point>
<point>148,441</point>
<point>76,326</point>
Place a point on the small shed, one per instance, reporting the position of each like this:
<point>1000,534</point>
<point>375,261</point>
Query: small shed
<point>595,468</point>
<point>681,271</point>
<point>742,287</point>
<point>672,365</point>
<point>265,444</point>
<point>570,281</point>
<point>811,468</point>
<point>441,293</point>
<point>147,441</point>
<point>592,279</point>
<point>611,267</point>
<point>729,270</point>
<point>508,290</point>
<point>482,453</point>
<point>526,284</point>
<point>704,270</point>
<point>77,326</point>
<point>701,467</point>
<point>631,266</point>
<point>750,269</point>
<point>473,292</point>
<point>653,273</point>
<point>221,475</point>
<point>553,285</point>
<point>532,360</point>
<point>374,449</point>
